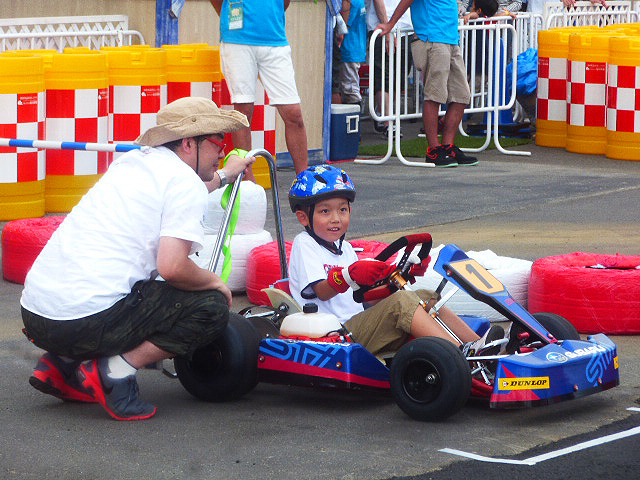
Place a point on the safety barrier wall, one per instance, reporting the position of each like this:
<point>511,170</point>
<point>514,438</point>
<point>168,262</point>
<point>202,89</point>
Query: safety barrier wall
<point>22,107</point>
<point>590,73</point>
<point>95,96</point>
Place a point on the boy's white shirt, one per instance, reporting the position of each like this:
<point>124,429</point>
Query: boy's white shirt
<point>309,263</point>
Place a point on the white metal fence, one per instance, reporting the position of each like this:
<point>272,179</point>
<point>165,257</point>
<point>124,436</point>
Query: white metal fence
<point>57,33</point>
<point>584,13</point>
<point>501,39</point>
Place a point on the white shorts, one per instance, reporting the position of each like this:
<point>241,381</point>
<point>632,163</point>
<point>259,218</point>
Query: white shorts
<point>242,65</point>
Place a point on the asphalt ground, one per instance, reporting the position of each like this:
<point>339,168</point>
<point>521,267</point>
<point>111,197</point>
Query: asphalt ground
<point>553,202</point>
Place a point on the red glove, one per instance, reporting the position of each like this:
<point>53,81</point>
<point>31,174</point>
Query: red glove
<point>363,272</point>
<point>419,269</point>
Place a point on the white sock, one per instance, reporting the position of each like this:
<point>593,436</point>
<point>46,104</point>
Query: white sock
<point>120,368</point>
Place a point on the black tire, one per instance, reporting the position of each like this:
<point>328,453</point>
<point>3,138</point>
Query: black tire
<point>557,326</point>
<point>430,379</point>
<point>226,369</point>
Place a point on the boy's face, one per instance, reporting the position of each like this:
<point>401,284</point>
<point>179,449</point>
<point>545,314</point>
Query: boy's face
<point>331,218</point>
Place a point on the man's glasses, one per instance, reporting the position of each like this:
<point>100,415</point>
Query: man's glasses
<point>221,145</point>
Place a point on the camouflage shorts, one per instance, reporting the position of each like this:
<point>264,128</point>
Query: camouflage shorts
<point>174,320</point>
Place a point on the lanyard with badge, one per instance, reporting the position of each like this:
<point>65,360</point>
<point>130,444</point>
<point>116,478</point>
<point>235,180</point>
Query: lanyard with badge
<point>236,15</point>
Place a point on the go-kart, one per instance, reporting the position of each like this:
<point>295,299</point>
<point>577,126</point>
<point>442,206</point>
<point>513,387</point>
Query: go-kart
<point>541,361</point>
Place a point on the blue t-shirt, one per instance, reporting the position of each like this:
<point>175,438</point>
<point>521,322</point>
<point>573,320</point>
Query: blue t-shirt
<point>262,23</point>
<point>354,45</point>
<point>436,21</point>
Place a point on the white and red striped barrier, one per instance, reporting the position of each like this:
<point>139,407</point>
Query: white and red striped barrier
<point>46,144</point>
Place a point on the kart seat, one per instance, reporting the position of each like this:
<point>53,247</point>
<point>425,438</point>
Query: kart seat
<point>299,325</point>
<point>279,294</point>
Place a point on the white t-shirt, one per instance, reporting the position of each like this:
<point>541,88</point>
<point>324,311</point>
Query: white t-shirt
<point>309,263</point>
<point>109,241</point>
<point>390,5</point>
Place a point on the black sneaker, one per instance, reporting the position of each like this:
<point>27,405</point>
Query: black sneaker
<point>489,344</point>
<point>438,156</point>
<point>385,132</point>
<point>119,397</point>
<point>460,157</point>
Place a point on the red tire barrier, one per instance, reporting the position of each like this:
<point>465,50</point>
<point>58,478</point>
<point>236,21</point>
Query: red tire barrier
<point>22,241</point>
<point>596,293</point>
<point>263,265</point>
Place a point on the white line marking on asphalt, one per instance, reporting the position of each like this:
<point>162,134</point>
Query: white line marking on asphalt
<point>634,409</point>
<point>547,456</point>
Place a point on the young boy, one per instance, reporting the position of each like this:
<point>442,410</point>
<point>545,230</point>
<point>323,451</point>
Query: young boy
<point>324,269</point>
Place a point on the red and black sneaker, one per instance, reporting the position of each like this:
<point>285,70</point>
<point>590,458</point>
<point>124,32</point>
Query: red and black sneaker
<point>119,397</point>
<point>462,158</point>
<point>53,377</point>
<point>438,156</point>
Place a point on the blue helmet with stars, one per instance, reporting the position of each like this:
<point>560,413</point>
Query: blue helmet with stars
<point>318,183</point>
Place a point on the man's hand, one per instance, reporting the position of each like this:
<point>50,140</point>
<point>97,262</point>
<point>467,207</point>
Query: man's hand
<point>235,165</point>
<point>385,27</point>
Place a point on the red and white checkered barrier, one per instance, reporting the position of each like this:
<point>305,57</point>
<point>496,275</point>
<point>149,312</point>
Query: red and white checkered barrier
<point>77,115</point>
<point>133,110</point>
<point>22,115</point>
<point>552,89</point>
<point>623,99</point>
<point>176,90</point>
<point>587,102</point>
<point>263,124</point>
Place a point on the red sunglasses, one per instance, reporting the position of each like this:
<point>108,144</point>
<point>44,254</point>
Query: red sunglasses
<point>220,145</point>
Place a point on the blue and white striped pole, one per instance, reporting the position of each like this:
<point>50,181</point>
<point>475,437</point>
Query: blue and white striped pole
<point>45,144</point>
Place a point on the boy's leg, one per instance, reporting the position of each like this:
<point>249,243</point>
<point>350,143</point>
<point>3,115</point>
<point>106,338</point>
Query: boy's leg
<point>424,325</point>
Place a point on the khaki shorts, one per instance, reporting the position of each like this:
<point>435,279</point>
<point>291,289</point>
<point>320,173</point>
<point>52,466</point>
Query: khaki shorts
<point>443,70</point>
<point>386,326</point>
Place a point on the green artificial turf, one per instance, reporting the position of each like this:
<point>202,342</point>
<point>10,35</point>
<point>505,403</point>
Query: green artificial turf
<point>416,147</point>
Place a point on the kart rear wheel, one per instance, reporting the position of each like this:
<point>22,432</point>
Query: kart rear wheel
<point>557,326</point>
<point>226,369</point>
<point>430,379</point>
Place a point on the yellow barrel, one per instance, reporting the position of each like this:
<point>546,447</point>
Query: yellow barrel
<point>137,90</point>
<point>77,86</point>
<point>192,70</point>
<point>587,92</point>
<point>22,114</point>
<point>553,51</point>
<point>623,109</point>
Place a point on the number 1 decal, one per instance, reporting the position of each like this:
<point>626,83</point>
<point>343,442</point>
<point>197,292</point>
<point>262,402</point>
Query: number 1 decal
<point>478,276</point>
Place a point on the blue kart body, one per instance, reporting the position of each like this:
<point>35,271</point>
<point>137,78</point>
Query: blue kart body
<point>548,371</point>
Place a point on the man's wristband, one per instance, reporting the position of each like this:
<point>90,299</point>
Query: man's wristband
<point>222,177</point>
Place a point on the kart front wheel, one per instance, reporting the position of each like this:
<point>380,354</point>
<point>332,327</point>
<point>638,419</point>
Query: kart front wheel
<point>225,369</point>
<point>430,379</point>
<point>557,326</point>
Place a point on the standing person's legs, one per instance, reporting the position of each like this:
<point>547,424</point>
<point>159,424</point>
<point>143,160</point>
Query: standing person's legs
<point>276,74</point>
<point>240,68</point>
<point>242,138</point>
<point>430,117</point>
<point>452,119</point>
<point>295,134</point>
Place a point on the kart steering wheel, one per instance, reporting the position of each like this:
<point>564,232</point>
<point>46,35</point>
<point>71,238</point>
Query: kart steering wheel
<point>384,287</point>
